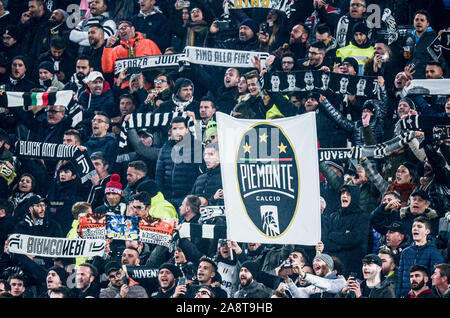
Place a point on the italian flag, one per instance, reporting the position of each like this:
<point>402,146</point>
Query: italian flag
<point>19,99</point>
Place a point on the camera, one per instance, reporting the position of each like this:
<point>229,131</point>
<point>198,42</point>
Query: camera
<point>223,25</point>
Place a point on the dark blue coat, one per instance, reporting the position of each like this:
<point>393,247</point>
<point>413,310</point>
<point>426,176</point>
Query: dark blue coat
<point>427,255</point>
<point>155,27</point>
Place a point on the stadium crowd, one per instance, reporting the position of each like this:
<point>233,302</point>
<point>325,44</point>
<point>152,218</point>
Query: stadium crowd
<point>385,220</point>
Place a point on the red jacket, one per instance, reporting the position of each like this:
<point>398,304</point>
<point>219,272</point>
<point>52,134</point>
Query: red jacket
<point>142,47</point>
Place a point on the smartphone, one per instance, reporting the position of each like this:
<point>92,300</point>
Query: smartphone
<point>125,280</point>
<point>265,28</point>
<point>353,275</point>
<point>182,281</point>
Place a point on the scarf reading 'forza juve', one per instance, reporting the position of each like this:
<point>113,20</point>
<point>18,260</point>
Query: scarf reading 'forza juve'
<point>194,55</point>
<point>148,120</point>
<point>42,150</point>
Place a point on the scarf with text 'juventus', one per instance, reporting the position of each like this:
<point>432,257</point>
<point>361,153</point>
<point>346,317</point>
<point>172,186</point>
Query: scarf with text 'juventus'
<point>42,150</point>
<point>374,151</point>
<point>147,120</point>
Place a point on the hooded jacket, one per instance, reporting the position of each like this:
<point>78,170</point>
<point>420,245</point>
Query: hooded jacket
<point>107,145</point>
<point>347,233</point>
<point>103,102</point>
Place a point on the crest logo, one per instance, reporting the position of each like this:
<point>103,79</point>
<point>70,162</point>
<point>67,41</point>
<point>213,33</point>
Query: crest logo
<point>268,177</point>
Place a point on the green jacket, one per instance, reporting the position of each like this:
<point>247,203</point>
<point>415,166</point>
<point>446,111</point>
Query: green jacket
<point>73,234</point>
<point>161,208</point>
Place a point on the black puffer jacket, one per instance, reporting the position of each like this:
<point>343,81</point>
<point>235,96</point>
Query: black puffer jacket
<point>419,52</point>
<point>347,233</point>
<point>176,179</point>
<point>207,185</point>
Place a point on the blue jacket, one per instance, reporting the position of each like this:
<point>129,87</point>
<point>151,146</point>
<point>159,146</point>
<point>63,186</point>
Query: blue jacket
<point>427,255</point>
<point>107,145</point>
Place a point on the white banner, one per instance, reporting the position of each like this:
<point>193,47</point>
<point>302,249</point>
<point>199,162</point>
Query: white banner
<point>270,177</point>
<point>54,246</point>
<point>428,87</point>
<point>222,57</point>
<point>147,62</point>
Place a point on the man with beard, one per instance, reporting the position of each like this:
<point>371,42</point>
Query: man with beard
<point>421,252</point>
<point>388,266</point>
<point>167,280</point>
<point>248,37</point>
<point>249,287</point>
<point>372,286</point>
<point>60,57</point>
<point>98,96</point>
<point>396,238</point>
<point>36,28</point>
<point>83,69</point>
<point>96,37</point>
<point>298,40</point>
<point>85,284</point>
<point>117,288</point>
<point>418,277</point>
<point>357,13</point>
<point>182,99</point>
<point>315,60</point>
<point>99,15</point>
<point>324,284</point>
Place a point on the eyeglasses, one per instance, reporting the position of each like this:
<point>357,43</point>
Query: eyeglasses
<point>159,81</point>
<point>99,121</point>
<point>124,28</point>
<point>287,62</point>
<point>116,275</point>
<point>313,53</point>
<point>356,5</point>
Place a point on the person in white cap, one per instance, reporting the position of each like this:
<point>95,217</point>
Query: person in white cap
<point>98,96</point>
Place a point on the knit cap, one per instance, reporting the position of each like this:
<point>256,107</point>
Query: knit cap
<point>63,275</point>
<point>252,24</point>
<point>47,65</point>
<point>114,185</point>
<point>327,259</point>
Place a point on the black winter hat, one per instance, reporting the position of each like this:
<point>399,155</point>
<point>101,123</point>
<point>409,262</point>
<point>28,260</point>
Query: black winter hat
<point>252,267</point>
<point>63,275</point>
<point>174,269</point>
<point>14,32</point>
<point>372,259</point>
<point>411,168</point>
<point>149,186</point>
<point>408,101</point>
<point>252,24</point>
<point>47,65</point>
<point>353,61</point>
<point>422,193</point>
<point>361,27</point>
<point>112,266</point>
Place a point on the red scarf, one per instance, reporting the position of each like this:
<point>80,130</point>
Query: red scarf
<point>405,190</point>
